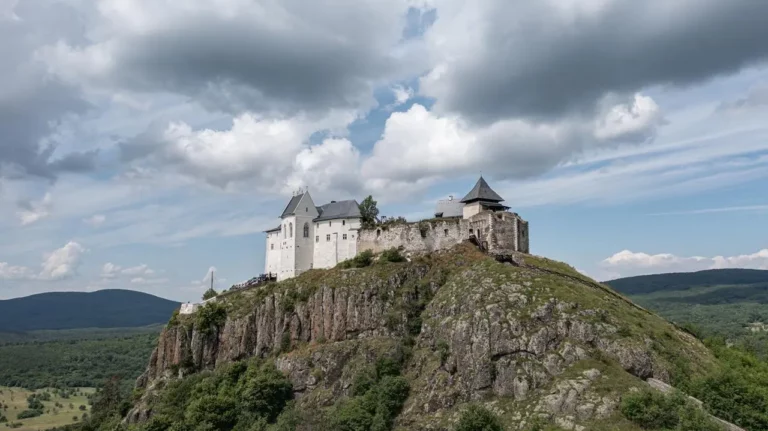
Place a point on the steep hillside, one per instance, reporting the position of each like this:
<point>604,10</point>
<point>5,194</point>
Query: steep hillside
<point>530,339</point>
<point>70,310</point>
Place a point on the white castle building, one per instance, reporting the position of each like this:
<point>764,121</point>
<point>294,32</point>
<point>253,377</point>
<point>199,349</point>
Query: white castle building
<point>312,236</point>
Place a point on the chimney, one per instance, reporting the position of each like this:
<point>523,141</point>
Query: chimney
<point>450,197</point>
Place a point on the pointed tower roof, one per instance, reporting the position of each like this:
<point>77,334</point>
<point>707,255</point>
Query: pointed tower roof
<point>482,192</point>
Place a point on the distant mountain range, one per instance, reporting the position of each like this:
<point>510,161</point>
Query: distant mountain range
<point>71,310</point>
<point>645,284</point>
<point>727,302</point>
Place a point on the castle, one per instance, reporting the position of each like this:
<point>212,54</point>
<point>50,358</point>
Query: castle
<point>311,236</point>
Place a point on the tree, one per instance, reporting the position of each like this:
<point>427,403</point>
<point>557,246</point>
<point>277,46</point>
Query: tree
<point>368,211</point>
<point>210,293</point>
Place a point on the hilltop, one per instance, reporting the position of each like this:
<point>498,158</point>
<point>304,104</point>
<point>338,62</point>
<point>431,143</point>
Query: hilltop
<point>70,310</point>
<point>414,345</point>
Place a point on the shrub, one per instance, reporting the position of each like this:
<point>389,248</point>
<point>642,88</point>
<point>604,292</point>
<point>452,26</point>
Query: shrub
<point>26,414</point>
<point>378,394</point>
<point>210,316</point>
<point>210,293</point>
<point>362,260</point>
<point>443,350</point>
<point>478,418</point>
<point>392,255</point>
<point>174,320</point>
<point>3,419</point>
<point>654,410</point>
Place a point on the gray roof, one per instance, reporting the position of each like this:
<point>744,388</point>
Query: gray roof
<point>449,208</point>
<point>336,210</point>
<point>482,192</point>
<point>292,204</point>
<point>274,229</point>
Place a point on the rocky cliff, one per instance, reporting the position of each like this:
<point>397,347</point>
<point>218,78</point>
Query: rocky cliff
<point>528,337</point>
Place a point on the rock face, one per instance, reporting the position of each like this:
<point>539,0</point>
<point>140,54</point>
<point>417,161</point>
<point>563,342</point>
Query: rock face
<point>537,341</point>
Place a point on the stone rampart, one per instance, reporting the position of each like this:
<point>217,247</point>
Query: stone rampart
<point>494,231</point>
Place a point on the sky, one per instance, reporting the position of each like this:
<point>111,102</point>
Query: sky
<point>146,144</point>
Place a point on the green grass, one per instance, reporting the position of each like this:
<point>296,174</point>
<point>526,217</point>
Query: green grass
<point>16,400</point>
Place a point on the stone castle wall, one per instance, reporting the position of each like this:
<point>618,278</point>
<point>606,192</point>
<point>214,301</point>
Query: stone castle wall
<point>494,231</point>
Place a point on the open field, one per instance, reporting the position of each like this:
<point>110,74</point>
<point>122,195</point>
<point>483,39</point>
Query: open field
<point>58,411</point>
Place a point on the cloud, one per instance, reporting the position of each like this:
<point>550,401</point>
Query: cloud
<point>757,97</point>
<point>57,265</point>
<point>30,212</point>
<point>95,220</point>
<point>744,208</point>
<point>62,263</point>
<point>33,104</point>
<point>497,59</point>
<point>234,56</point>
<point>11,272</point>
<point>430,146</point>
<point>259,150</point>
<point>627,263</point>
<point>149,281</point>
<point>112,271</point>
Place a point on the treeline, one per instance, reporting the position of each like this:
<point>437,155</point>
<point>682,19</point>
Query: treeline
<point>74,363</point>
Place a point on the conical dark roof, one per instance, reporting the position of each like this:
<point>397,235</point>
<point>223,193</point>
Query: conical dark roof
<point>482,192</point>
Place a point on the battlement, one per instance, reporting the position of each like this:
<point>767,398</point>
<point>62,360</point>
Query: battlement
<point>491,230</point>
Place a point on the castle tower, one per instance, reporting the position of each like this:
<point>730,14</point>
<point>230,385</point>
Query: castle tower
<point>482,198</point>
<point>294,238</point>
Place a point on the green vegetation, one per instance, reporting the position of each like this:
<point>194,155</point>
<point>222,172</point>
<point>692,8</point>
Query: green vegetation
<point>362,260</point>
<point>653,410</point>
<point>73,310</point>
<point>478,418</point>
<point>210,316</point>
<point>210,293</point>
<point>392,255</point>
<point>738,390</point>
<point>368,212</point>
<point>74,363</point>
<point>241,396</point>
<point>42,409</point>
<point>75,334</point>
<point>378,394</point>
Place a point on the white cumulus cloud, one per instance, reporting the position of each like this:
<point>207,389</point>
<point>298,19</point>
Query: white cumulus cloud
<point>628,263</point>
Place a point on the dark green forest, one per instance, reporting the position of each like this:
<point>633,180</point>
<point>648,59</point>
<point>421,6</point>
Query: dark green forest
<point>75,363</point>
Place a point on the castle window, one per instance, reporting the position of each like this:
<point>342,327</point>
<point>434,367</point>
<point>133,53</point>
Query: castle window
<point>471,231</point>
<point>306,230</point>
<point>329,222</point>
<point>378,233</point>
<point>271,246</point>
<point>446,232</point>
<point>317,238</point>
<point>328,237</point>
<point>290,230</point>
<point>306,209</point>
<point>343,222</point>
<point>353,235</point>
<point>344,236</point>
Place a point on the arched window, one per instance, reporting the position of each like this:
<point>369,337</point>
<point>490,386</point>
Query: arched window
<point>306,230</point>
<point>290,230</point>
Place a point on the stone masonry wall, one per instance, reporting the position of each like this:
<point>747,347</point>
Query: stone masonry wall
<point>493,230</point>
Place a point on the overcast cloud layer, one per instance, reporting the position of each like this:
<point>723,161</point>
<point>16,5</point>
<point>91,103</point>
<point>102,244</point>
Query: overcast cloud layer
<point>143,121</point>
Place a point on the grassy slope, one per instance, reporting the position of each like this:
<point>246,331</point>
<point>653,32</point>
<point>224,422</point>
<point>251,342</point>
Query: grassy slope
<point>16,400</point>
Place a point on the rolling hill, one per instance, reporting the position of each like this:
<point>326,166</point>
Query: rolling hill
<point>71,310</point>
<point>724,302</point>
